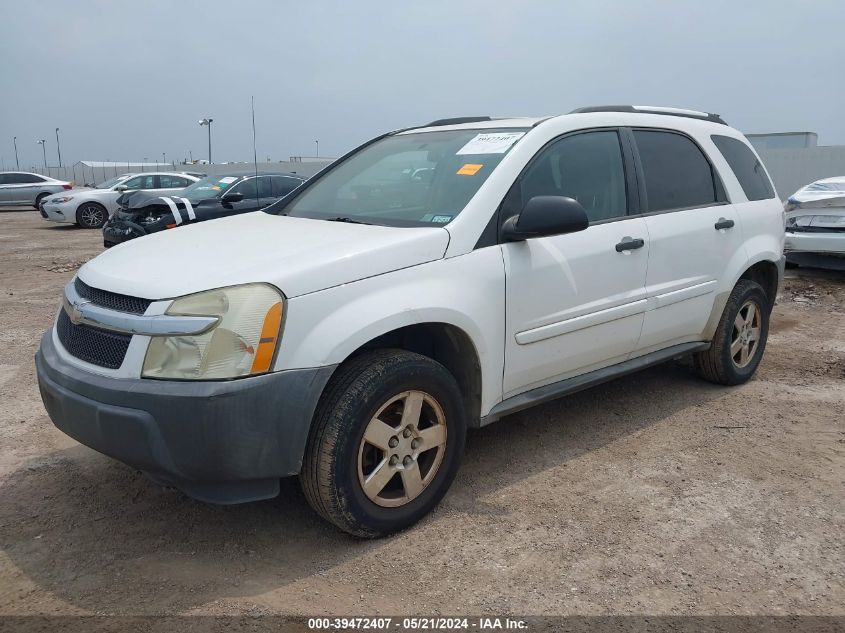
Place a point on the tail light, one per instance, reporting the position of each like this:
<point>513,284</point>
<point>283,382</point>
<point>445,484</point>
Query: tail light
<point>67,186</point>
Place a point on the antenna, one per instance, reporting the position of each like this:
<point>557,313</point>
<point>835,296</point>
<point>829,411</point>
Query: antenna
<point>254,151</point>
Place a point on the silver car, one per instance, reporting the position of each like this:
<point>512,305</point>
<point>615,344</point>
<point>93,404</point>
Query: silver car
<point>19,188</point>
<point>90,208</point>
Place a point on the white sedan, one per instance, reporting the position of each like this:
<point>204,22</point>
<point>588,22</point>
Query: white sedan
<point>91,207</point>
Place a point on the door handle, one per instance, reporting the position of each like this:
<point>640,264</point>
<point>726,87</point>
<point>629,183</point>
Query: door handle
<point>629,244</point>
<point>723,224</point>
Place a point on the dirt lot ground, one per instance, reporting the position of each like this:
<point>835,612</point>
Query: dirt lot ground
<point>656,494</point>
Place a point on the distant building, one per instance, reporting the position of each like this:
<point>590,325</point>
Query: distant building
<point>783,140</point>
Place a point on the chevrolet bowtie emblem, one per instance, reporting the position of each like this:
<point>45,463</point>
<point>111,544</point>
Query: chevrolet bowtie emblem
<point>75,312</point>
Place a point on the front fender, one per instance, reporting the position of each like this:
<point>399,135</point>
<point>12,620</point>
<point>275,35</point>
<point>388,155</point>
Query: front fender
<point>467,292</point>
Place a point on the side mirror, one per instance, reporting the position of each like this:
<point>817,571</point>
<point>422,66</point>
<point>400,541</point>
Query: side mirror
<point>232,196</point>
<point>121,188</point>
<point>543,216</point>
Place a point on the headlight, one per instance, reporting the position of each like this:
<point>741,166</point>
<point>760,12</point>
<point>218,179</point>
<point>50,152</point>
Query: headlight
<point>60,200</point>
<point>243,342</point>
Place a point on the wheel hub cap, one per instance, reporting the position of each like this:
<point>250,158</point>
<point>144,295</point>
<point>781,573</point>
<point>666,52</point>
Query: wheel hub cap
<point>402,449</point>
<point>745,337</point>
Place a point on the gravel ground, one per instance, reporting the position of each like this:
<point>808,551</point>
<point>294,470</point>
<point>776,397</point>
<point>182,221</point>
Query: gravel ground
<point>655,494</point>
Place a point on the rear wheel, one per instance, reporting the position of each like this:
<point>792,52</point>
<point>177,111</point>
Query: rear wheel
<point>39,199</point>
<point>740,337</point>
<point>387,441</point>
<point>91,215</point>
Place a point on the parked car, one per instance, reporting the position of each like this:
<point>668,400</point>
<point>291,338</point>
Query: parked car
<point>23,188</point>
<point>212,197</point>
<point>815,225</point>
<point>91,207</point>
<point>351,337</point>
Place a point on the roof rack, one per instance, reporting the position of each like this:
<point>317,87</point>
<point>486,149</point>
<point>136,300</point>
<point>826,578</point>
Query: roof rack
<point>689,114</point>
<point>457,120</point>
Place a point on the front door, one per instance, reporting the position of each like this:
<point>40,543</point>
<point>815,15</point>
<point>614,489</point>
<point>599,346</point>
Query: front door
<point>575,302</point>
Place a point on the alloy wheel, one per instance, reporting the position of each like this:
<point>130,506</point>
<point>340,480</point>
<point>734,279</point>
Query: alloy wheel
<point>745,337</point>
<point>402,449</point>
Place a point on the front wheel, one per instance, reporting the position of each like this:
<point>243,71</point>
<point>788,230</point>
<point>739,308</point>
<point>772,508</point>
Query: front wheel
<point>387,441</point>
<point>740,337</point>
<point>91,215</point>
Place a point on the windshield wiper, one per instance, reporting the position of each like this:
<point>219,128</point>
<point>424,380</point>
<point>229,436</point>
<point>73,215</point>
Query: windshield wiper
<point>346,219</point>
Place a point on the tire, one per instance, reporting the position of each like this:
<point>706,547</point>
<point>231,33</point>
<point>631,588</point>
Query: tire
<point>39,198</point>
<point>91,215</point>
<point>339,460</point>
<point>743,331</point>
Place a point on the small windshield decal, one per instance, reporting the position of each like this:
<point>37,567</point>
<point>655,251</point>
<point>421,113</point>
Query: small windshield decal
<point>490,143</point>
<point>228,180</point>
<point>469,169</point>
<point>441,219</point>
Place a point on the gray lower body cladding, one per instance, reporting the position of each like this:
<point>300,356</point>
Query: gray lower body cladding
<point>223,441</point>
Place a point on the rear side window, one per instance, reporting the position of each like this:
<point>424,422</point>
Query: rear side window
<point>677,174</point>
<point>282,185</point>
<point>747,169</point>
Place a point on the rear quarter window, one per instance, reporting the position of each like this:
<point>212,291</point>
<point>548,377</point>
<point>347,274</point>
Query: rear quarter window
<point>745,166</point>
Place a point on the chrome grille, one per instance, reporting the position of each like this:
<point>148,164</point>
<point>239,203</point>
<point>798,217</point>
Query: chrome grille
<point>111,300</point>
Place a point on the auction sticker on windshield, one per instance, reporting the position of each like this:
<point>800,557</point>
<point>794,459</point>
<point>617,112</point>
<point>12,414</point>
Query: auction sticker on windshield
<point>490,143</point>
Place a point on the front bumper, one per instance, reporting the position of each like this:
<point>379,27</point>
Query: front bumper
<point>116,231</point>
<point>55,213</point>
<point>222,441</point>
<point>832,243</point>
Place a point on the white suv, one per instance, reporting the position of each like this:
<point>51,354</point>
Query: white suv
<point>434,279</point>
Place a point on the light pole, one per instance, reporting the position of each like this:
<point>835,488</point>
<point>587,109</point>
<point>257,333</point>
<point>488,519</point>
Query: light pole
<point>206,121</point>
<point>163,157</point>
<point>58,147</point>
<point>317,143</point>
<point>17,162</point>
<point>192,156</point>
<point>43,144</point>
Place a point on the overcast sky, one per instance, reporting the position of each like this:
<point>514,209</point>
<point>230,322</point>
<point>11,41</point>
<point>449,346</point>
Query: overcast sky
<point>129,80</point>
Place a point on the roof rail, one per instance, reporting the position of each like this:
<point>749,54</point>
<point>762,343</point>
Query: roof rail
<point>689,114</point>
<point>457,120</point>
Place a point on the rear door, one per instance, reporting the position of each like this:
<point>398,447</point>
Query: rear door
<point>694,233</point>
<point>575,302</point>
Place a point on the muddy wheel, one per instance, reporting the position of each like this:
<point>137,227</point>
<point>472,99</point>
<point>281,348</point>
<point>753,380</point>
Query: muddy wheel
<point>386,442</point>
<point>91,215</point>
<point>740,338</point>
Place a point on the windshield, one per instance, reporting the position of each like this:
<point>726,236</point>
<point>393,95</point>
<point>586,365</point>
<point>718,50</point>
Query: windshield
<point>111,182</point>
<point>418,179</point>
<point>209,187</point>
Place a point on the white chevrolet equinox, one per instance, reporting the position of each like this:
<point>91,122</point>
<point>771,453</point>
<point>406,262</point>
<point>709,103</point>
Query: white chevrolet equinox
<point>434,279</point>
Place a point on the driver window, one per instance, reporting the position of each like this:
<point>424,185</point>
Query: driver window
<point>141,182</point>
<point>587,167</point>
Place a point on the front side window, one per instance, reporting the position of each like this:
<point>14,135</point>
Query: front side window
<point>587,167</point>
<point>677,174</point>
<point>412,179</point>
<point>747,169</point>
<point>111,182</point>
<point>141,182</point>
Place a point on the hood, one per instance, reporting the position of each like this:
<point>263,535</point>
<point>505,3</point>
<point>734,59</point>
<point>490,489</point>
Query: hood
<point>148,200</point>
<point>297,255</point>
<point>829,192</point>
<point>73,192</point>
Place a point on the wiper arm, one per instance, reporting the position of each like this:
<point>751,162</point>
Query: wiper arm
<point>347,220</point>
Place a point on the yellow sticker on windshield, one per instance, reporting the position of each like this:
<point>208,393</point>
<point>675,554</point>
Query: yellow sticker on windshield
<point>469,169</point>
